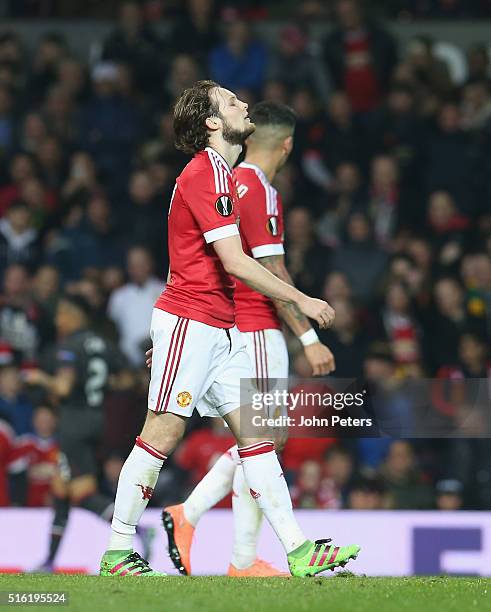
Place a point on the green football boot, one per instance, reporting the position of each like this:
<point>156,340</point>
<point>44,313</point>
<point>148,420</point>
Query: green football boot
<point>315,557</point>
<point>125,563</point>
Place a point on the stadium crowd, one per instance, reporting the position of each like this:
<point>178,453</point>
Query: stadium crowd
<point>388,217</point>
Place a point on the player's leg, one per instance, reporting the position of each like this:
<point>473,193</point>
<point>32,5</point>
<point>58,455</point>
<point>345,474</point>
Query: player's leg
<point>179,373</point>
<point>269,356</point>
<point>264,477</point>
<point>61,510</point>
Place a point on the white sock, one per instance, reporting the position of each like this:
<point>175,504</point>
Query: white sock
<point>268,487</point>
<point>135,487</point>
<point>247,521</point>
<point>211,489</point>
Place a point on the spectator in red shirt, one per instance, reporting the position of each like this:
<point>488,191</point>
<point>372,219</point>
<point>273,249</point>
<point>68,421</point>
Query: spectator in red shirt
<point>360,57</point>
<point>37,455</point>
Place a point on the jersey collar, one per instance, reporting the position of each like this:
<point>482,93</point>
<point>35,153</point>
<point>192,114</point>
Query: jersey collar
<point>256,169</point>
<point>220,158</point>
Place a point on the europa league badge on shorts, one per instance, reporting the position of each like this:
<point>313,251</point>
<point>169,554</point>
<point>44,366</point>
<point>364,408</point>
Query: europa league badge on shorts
<point>224,206</point>
<point>184,398</point>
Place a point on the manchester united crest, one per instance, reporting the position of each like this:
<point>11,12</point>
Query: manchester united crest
<point>224,206</point>
<point>184,398</point>
<point>272,226</point>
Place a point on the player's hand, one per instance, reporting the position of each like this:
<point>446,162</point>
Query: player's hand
<point>320,358</point>
<point>318,310</point>
<point>148,360</point>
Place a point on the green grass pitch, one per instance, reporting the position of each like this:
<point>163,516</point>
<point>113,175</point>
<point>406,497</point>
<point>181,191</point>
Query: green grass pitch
<point>339,593</point>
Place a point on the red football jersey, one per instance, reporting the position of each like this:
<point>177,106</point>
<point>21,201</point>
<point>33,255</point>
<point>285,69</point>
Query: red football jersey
<point>39,456</point>
<point>203,208</point>
<point>261,230</point>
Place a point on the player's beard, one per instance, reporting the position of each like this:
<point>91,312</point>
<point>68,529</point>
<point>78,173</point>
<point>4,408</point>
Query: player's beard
<point>236,137</point>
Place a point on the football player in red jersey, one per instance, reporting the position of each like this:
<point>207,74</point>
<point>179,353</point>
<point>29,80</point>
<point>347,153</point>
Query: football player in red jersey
<point>258,318</point>
<point>199,354</point>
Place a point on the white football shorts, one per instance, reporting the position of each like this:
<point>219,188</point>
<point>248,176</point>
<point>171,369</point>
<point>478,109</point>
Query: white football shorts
<point>195,365</point>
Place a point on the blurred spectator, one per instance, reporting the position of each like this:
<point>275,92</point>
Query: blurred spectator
<point>131,306</point>
<point>36,455</point>
<point>109,124</point>
<point>338,467</point>
<point>478,61</point>
<point>52,48</point>
<point>476,105</point>
<point>15,406</point>
<point>7,121</point>
<point>367,493</point>
<point>429,74</point>
<point>385,197</point>
<point>240,61</point>
<point>309,491</point>
<point>405,482</point>
<point>196,32</point>
<point>360,57</point>
<point>449,159</point>
<point>19,241</point>
<point>448,229</point>
<point>133,42</point>
<point>348,197</point>
<point>450,320</point>
<point>400,325</point>
<point>307,260</point>
<point>147,217</point>
<point>360,259</point>
<point>449,494</point>
<point>183,72</point>
<point>20,320</point>
<point>294,64</point>
<point>22,166</point>
<point>346,339</point>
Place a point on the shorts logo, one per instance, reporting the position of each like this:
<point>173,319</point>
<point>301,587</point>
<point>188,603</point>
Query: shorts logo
<point>147,492</point>
<point>224,206</point>
<point>272,226</point>
<point>184,398</point>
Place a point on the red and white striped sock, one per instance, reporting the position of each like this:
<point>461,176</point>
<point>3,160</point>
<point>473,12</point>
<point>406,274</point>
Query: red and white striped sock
<point>135,488</point>
<point>211,489</point>
<point>268,487</point>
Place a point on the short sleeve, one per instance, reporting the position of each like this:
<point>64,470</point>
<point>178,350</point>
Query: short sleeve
<point>212,200</point>
<point>261,220</point>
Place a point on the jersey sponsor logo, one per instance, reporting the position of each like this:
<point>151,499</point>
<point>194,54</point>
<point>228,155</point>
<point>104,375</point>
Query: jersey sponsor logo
<point>224,206</point>
<point>147,492</point>
<point>184,398</point>
<point>272,226</point>
<point>254,494</point>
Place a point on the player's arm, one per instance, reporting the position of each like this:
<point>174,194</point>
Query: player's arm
<point>318,355</point>
<point>256,276</point>
<point>60,384</point>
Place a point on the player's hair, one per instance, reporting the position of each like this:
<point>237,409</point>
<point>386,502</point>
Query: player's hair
<point>190,113</point>
<point>275,114</point>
